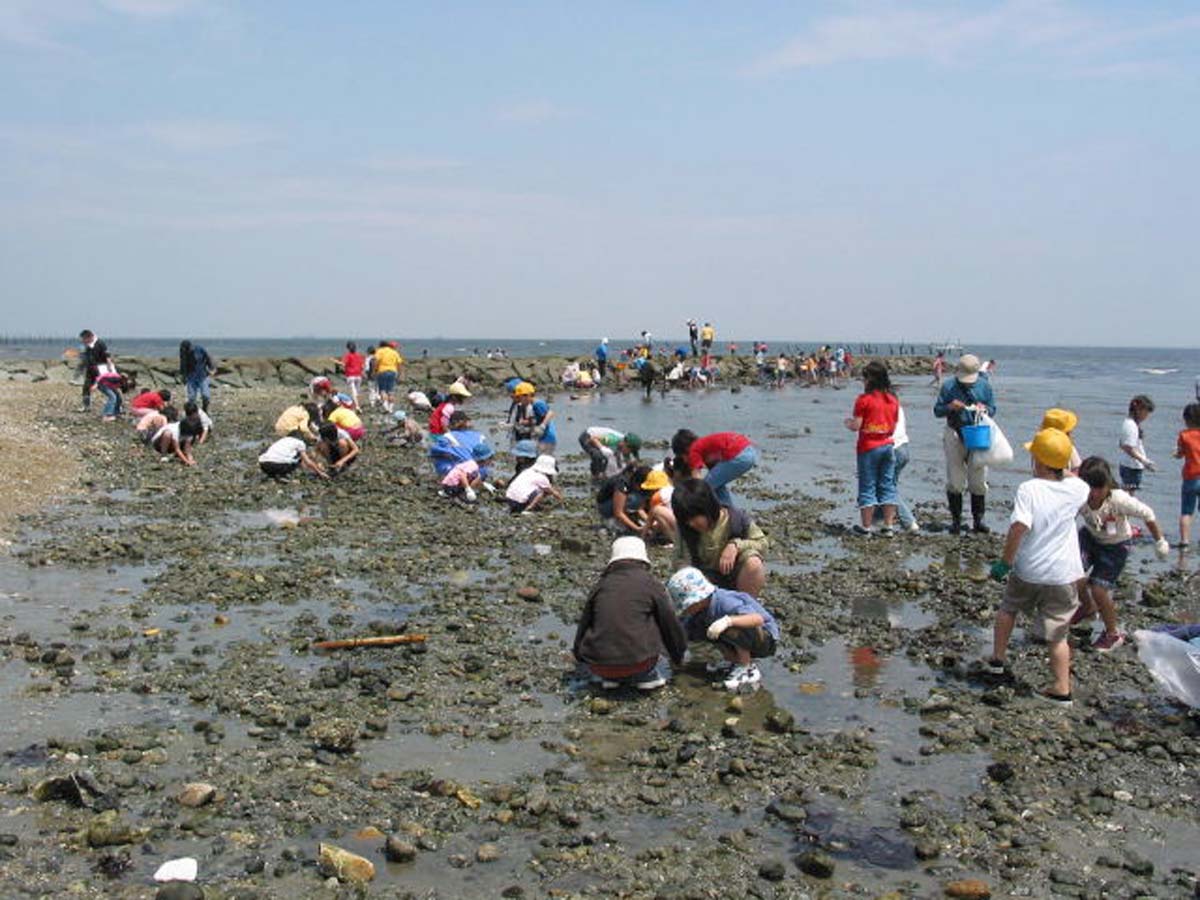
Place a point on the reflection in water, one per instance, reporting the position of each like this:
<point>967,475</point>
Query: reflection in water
<point>866,664</point>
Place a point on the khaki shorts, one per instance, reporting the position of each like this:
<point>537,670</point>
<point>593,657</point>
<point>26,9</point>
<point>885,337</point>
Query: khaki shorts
<point>1051,604</point>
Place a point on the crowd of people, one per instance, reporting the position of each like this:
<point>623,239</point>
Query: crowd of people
<point>1068,538</point>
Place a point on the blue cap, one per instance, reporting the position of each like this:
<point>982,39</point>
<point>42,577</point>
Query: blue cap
<point>481,451</point>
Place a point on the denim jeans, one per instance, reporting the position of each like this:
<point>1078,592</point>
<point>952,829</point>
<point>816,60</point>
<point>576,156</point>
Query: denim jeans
<point>877,477</point>
<point>198,388</point>
<point>724,472</point>
<point>903,513</point>
<point>112,399</point>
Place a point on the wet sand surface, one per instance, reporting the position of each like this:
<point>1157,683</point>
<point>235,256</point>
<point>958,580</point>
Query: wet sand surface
<point>156,627</point>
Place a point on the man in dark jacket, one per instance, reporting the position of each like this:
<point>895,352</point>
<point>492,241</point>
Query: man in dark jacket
<point>94,352</point>
<point>628,623</point>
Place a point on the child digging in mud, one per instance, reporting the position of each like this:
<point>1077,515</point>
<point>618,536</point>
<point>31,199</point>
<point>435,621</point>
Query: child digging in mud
<point>628,625</point>
<point>738,624</point>
<point>1041,559</point>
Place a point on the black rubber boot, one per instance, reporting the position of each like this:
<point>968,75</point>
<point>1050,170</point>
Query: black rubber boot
<point>977,507</point>
<point>955,501</point>
<point>204,403</point>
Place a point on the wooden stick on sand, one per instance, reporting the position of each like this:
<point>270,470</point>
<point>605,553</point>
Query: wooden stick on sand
<point>385,641</point>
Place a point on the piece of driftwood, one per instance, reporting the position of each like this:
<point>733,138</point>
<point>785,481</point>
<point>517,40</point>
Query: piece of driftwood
<point>384,641</point>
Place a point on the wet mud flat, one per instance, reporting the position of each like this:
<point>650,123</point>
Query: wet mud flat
<point>156,632</point>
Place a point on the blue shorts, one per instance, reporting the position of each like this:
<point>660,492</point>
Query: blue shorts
<point>1107,561</point>
<point>386,382</point>
<point>1189,493</point>
<point>1131,479</point>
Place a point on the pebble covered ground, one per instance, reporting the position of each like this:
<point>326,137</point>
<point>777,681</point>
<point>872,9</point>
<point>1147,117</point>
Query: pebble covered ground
<point>164,700</point>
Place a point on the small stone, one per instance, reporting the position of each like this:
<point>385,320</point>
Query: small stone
<point>771,870</point>
<point>529,593</point>
<point>196,794</point>
<point>487,853</point>
<point>1138,865</point>
<point>927,850</point>
<point>1000,772</point>
<point>336,736</point>
<point>816,863</point>
<point>735,705</point>
<point>788,812</point>
<point>600,707</point>
<point>108,830</point>
<point>780,721</point>
<point>346,867</point>
<point>968,889</point>
<point>398,850</point>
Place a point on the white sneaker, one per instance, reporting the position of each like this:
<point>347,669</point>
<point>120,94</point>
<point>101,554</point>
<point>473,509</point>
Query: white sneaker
<point>721,668</point>
<point>743,676</point>
<point>915,527</point>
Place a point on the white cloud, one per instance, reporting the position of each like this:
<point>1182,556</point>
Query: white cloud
<point>528,112</point>
<point>202,135</point>
<point>37,24</point>
<point>412,164</point>
<point>1028,30</point>
<point>150,8</point>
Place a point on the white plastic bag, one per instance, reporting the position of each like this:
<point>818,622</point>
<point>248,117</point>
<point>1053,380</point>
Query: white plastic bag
<point>1175,664</point>
<point>1000,453</point>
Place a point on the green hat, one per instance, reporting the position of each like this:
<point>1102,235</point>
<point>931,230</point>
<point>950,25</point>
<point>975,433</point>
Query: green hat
<point>633,443</point>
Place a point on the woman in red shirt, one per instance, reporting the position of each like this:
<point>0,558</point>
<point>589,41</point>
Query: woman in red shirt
<point>874,418</point>
<point>727,455</point>
<point>352,367</point>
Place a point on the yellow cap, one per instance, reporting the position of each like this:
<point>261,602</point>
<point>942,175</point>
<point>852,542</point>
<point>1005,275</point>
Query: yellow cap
<point>656,480</point>
<point>523,389</point>
<point>1051,447</point>
<point>1062,419</point>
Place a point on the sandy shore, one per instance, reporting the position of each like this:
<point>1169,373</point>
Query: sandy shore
<point>38,465</point>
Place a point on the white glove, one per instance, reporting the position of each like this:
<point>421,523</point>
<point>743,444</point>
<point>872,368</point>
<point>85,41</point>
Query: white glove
<point>470,494</point>
<point>717,628</point>
<point>489,487</point>
<point>1161,548</point>
<point>1151,465</point>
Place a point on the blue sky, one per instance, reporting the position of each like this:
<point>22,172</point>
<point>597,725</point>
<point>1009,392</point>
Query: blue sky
<point>1001,172</point>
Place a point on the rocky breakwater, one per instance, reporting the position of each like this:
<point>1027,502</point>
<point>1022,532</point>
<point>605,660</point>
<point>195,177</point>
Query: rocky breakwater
<point>294,371</point>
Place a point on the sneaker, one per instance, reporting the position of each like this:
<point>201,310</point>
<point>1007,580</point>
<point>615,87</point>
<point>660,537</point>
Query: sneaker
<point>719,669</point>
<point>981,528</point>
<point>887,531</point>
<point>607,685</point>
<point>1108,642</point>
<point>648,681</point>
<point>913,528</point>
<point>442,493</point>
<point>1064,701</point>
<point>859,530</point>
<point>994,666</point>
<point>743,676</point>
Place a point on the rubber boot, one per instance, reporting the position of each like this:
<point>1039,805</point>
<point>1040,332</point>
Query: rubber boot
<point>977,507</point>
<point>204,403</point>
<point>956,506</point>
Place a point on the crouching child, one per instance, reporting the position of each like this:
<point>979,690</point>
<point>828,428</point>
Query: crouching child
<point>737,623</point>
<point>628,625</point>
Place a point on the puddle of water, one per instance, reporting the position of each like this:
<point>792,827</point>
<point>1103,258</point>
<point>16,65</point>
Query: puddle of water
<point>468,760</point>
<point>816,555</point>
<point>898,613</point>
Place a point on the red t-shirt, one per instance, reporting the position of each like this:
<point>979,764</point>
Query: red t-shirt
<point>148,400</point>
<point>352,365</point>
<point>714,448</point>
<point>878,411</point>
<point>1189,448</point>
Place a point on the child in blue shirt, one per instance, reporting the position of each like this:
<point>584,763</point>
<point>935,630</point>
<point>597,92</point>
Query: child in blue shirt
<point>737,623</point>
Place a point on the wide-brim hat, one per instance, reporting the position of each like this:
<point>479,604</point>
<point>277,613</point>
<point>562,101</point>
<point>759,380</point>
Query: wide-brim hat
<point>629,548</point>
<point>526,449</point>
<point>458,390</point>
<point>967,370</point>
<point>545,464</point>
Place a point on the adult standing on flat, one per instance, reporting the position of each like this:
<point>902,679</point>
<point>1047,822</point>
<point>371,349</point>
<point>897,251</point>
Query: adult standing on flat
<point>93,353</point>
<point>602,357</point>
<point>195,368</point>
<point>694,337</point>
<point>961,397</point>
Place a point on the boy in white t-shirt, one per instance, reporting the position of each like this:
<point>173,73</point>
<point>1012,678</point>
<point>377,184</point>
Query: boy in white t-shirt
<point>1041,558</point>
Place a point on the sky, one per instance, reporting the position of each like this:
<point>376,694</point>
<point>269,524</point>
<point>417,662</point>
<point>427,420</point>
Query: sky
<point>1018,172</point>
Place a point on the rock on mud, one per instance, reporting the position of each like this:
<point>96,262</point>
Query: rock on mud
<point>196,794</point>
<point>346,867</point>
<point>969,889</point>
